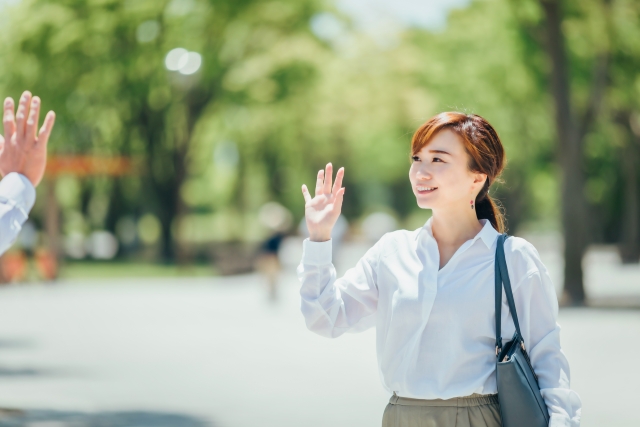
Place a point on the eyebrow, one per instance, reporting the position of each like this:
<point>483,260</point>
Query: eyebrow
<point>439,151</point>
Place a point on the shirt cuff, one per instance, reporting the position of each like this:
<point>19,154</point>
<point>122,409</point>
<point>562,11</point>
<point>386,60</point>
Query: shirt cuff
<point>557,420</point>
<point>316,253</point>
<point>19,191</point>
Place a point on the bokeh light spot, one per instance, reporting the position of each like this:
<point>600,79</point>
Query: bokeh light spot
<point>176,59</point>
<point>191,63</point>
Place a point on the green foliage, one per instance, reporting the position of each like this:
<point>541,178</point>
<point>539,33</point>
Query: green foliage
<point>272,103</point>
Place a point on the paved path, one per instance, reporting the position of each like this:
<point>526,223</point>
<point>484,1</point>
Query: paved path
<point>216,352</point>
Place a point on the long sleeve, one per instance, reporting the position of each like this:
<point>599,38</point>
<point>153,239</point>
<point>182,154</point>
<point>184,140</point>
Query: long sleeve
<point>333,306</point>
<point>17,196</point>
<point>537,306</point>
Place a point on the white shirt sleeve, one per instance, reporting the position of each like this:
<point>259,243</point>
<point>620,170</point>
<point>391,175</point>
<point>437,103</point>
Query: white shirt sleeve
<point>537,307</point>
<point>333,306</point>
<point>17,196</point>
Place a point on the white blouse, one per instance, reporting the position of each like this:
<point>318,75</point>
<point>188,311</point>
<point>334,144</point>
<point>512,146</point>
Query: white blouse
<point>435,330</point>
<point>17,196</point>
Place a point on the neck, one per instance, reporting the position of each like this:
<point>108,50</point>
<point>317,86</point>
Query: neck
<point>454,227</point>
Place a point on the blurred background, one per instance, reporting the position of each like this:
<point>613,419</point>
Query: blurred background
<point>154,283</point>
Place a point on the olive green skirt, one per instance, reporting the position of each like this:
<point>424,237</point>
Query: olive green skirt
<point>470,411</point>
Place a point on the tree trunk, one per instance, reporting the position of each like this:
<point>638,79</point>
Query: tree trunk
<point>569,158</point>
<point>630,236</point>
<point>182,254</point>
<point>52,225</point>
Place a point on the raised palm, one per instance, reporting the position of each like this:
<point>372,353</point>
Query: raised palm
<point>322,211</point>
<point>23,148</point>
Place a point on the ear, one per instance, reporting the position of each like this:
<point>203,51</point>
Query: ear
<point>480,178</point>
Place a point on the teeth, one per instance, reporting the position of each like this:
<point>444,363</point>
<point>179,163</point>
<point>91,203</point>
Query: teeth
<point>426,188</point>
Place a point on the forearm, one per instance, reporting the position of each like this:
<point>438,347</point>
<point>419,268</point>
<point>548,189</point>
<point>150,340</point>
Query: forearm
<point>319,301</point>
<point>539,307</point>
<point>552,367</point>
<point>332,306</point>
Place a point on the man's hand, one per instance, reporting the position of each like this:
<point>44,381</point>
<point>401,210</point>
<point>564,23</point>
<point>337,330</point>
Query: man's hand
<point>23,148</point>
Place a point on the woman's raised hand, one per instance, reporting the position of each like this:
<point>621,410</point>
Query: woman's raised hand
<point>322,212</point>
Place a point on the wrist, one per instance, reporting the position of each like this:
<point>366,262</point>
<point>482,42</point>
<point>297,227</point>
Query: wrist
<point>319,237</point>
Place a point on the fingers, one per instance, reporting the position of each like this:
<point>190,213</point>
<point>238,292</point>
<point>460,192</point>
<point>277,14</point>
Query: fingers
<point>338,184</point>
<point>328,177</point>
<point>319,182</point>
<point>324,178</point>
<point>32,122</point>
<point>305,194</point>
<point>45,130</point>
<point>9,119</point>
<point>338,199</point>
<point>21,116</point>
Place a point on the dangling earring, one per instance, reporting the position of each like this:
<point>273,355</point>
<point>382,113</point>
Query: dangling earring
<point>471,204</point>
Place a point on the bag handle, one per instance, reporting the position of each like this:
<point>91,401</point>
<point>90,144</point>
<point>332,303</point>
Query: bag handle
<point>502,277</point>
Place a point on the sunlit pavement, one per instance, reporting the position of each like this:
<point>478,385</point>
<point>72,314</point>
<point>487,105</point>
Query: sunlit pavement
<point>199,352</point>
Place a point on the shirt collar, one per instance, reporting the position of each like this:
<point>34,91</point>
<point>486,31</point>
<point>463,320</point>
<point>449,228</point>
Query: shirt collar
<point>488,234</point>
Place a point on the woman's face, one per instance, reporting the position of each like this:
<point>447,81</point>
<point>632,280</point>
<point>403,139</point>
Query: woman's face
<point>443,164</point>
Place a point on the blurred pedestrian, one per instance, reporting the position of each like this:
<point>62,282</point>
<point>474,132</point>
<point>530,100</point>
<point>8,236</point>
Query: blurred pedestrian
<point>430,292</point>
<point>23,157</point>
<point>268,263</point>
<point>278,220</point>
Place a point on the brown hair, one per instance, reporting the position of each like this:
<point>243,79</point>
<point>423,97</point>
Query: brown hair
<point>486,155</point>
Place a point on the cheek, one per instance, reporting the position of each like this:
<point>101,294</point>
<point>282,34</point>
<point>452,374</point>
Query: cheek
<point>444,177</point>
<point>455,180</point>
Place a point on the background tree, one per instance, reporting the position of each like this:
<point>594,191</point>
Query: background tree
<point>101,65</point>
<point>273,90</point>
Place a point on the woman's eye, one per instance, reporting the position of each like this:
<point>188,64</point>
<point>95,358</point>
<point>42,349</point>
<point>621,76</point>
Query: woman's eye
<point>415,158</point>
<point>437,158</point>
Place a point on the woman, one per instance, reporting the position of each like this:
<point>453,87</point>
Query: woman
<point>430,292</point>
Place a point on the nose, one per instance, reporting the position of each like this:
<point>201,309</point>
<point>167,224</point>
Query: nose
<point>423,174</point>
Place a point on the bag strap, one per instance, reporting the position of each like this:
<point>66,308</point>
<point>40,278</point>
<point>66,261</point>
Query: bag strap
<point>502,277</point>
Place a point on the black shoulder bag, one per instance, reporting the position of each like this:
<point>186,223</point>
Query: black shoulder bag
<point>521,404</point>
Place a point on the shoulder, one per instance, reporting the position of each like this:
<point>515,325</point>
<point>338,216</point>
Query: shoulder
<point>523,259</point>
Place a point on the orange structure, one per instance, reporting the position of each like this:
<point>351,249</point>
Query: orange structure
<point>13,265</point>
<point>89,166</point>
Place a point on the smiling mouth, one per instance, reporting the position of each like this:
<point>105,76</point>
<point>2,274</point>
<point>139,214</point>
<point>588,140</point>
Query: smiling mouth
<point>426,190</point>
